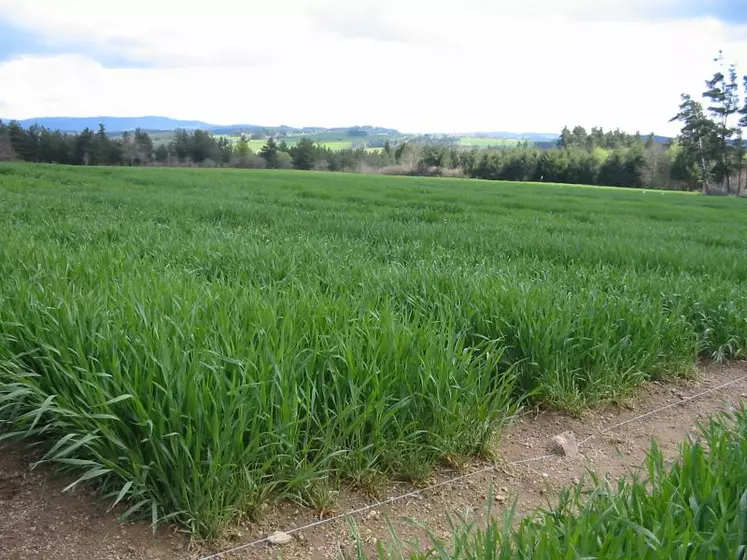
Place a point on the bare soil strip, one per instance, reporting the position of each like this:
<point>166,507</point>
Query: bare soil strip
<point>38,521</point>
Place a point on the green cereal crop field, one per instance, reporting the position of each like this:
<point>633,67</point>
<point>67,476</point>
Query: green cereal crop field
<point>200,340</point>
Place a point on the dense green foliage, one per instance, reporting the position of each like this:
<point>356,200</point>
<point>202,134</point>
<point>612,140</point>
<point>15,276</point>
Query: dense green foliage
<point>695,508</point>
<point>621,167</point>
<point>200,339</point>
<point>41,145</point>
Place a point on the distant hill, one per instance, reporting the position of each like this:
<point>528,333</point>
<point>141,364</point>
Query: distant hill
<point>236,129</point>
<point>114,124</point>
<point>661,139</point>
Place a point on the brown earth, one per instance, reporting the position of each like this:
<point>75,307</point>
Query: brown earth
<point>38,521</point>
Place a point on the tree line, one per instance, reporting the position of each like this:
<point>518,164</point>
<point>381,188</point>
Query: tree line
<point>188,147</point>
<point>597,158</point>
<point>708,155</point>
<point>39,144</point>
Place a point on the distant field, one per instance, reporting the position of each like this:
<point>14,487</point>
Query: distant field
<point>486,142</point>
<point>203,340</point>
<point>337,145</point>
<point>256,145</point>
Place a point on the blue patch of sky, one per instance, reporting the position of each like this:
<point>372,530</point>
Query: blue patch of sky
<point>729,11</point>
<point>17,41</point>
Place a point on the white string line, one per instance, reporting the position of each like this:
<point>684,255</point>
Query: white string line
<point>413,494</point>
<point>417,493</point>
<point>682,400</point>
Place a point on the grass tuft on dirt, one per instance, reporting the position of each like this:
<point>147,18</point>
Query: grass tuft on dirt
<point>693,508</point>
<point>199,342</point>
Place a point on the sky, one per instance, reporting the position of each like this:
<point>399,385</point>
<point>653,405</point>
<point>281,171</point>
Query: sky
<point>414,65</point>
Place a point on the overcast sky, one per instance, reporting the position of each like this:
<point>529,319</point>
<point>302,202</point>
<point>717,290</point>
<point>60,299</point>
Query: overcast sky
<point>415,65</point>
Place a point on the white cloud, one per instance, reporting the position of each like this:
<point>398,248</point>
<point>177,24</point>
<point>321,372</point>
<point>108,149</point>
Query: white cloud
<point>412,64</point>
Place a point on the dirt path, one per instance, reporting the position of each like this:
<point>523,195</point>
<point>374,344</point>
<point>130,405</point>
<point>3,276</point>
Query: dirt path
<point>37,521</point>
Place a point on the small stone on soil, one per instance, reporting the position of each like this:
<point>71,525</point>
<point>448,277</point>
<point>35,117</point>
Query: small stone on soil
<point>279,538</point>
<point>564,444</point>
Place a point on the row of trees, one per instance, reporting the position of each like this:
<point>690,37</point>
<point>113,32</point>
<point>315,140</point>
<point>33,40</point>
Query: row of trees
<point>619,167</point>
<point>599,138</point>
<point>188,147</point>
<point>38,144</point>
<point>630,162</point>
<point>645,164</point>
